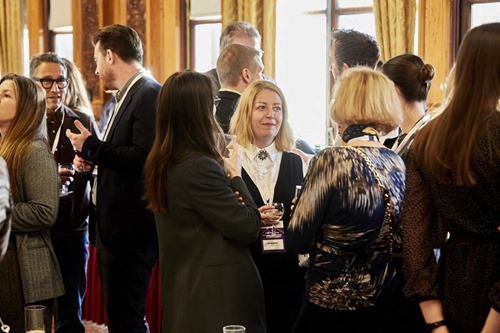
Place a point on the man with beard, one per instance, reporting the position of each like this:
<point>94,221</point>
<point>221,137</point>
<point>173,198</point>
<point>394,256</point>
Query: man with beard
<point>70,232</point>
<point>126,241</point>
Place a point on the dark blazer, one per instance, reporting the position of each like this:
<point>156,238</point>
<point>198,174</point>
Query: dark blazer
<point>208,277</point>
<point>122,217</point>
<point>73,210</point>
<point>281,275</point>
<point>226,108</point>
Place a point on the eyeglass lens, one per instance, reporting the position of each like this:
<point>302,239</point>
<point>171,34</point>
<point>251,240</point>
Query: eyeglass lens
<point>48,83</point>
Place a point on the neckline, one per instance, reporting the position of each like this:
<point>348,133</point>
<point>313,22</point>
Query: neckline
<point>365,143</point>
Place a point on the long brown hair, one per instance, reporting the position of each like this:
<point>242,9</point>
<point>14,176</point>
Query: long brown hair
<point>445,146</point>
<point>184,124</point>
<point>28,125</point>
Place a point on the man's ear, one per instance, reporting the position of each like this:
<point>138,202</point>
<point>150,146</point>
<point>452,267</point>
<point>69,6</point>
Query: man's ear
<point>245,74</point>
<point>345,66</point>
<point>110,56</point>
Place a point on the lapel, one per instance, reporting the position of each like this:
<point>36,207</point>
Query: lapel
<point>128,99</point>
<point>252,188</point>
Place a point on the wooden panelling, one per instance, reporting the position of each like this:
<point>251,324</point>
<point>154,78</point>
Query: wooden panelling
<point>35,16</point>
<point>164,26</point>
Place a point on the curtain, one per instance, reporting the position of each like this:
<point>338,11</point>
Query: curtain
<point>11,37</point>
<point>260,13</point>
<point>395,26</point>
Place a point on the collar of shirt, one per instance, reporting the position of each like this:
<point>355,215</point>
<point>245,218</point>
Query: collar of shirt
<point>252,152</point>
<point>120,93</point>
<point>230,90</point>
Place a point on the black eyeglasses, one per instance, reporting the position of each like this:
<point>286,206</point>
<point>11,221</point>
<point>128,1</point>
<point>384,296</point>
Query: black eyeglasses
<point>48,83</point>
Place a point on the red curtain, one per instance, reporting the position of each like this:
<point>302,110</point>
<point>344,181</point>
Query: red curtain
<point>93,306</point>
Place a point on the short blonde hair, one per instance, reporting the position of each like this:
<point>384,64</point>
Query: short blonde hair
<point>241,121</point>
<point>367,97</point>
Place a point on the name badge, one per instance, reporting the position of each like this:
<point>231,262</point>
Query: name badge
<point>273,238</point>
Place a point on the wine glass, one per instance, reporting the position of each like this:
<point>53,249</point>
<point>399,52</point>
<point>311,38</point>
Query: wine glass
<point>277,210</point>
<point>227,140</point>
<point>65,170</point>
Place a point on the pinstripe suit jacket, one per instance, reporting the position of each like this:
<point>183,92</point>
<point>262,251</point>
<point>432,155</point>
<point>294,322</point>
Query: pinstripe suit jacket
<point>34,213</point>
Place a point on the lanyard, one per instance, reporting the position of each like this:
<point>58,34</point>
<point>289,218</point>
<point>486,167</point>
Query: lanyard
<point>397,147</point>
<point>58,134</point>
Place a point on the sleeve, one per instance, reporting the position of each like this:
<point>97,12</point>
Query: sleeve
<point>5,207</point>
<point>40,186</point>
<point>312,203</point>
<point>213,197</point>
<point>420,233</point>
<point>142,134</point>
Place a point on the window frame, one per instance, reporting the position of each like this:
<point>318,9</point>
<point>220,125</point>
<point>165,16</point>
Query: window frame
<point>193,23</point>
<point>461,22</point>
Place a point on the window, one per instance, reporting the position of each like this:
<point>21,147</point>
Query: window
<point>204,32</point>
<point>62,42</point>
<point>482,13</point>
<point>302,73</point>
<point>205,44</point>
<point>469,14</point>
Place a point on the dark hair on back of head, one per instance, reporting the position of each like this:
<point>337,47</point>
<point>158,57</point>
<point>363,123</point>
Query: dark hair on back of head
<point>411,75</point>
<point>122,40</point>
<point>354,48</point>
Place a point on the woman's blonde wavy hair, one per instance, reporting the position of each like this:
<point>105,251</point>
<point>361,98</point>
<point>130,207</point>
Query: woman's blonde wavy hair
<point>241,122</point>
<point>367,97</point>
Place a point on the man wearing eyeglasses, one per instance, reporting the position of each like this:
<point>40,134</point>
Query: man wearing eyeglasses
<point>70,232</point>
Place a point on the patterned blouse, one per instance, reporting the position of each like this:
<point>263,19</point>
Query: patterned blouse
<point>339,220</point>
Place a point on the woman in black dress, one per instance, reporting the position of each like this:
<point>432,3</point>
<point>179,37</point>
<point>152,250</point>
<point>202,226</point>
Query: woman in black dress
<point>271,173</point>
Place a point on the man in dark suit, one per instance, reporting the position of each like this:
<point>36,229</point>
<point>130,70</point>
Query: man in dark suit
<point>126,240</point>
<point>70,232</point>
<point>238,66</point>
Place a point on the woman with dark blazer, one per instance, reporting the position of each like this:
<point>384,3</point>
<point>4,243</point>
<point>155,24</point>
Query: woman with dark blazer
<point>205,216</point>
<point>271,173</point>
<point>29,273</point>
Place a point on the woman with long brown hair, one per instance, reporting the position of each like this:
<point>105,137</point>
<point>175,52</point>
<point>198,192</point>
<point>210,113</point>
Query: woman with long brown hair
<point>29,272</point>
<point>208,278</point>
<point>453,188</point>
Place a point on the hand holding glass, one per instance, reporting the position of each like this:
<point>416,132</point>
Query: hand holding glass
<point>65,170</point>
<point>274,215</point>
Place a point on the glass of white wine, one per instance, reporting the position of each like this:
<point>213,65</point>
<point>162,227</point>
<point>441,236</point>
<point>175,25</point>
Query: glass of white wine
<point>277,211</point>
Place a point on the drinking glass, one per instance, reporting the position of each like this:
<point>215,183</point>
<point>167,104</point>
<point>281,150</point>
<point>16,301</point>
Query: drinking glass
<point>233,329</point>
<point>279,209</point>
<point>228,139</point>
<point>66,170</point>
<point>33,318</point>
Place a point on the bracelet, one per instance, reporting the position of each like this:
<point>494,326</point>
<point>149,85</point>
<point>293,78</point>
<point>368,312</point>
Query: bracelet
<point>436,324</point>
